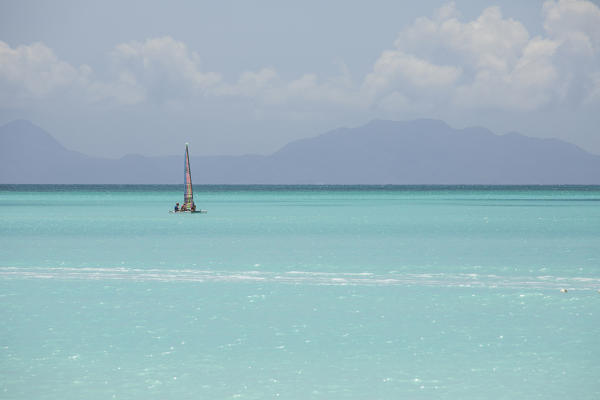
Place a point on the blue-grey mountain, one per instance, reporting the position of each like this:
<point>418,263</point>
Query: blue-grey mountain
<point>380,152</point>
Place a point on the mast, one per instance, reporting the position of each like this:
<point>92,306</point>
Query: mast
<point>188,196</point>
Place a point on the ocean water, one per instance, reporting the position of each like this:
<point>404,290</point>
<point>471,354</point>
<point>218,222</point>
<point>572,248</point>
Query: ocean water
<point>300,292</point>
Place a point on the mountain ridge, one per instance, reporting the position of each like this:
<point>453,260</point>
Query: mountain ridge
<point>423,151</point>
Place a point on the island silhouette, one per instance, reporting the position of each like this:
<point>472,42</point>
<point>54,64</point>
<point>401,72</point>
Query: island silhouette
<point>422,151</point>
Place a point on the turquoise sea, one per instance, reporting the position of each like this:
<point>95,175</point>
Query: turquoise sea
<point>300,292</point>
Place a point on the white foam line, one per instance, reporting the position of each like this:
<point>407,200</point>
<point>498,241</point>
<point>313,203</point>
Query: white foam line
<point>303,277</point>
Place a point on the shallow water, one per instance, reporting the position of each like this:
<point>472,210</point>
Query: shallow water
<point>300,292</point>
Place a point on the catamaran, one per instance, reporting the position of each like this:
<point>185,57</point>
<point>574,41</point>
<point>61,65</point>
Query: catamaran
<point>188,205</point>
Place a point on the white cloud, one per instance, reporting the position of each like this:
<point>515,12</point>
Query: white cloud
<point>33,72</point>
<point>575,27</point>
<point>398,72</point>
<point>438,62</point>
<point>574,21</point>
<point>161,69</point>
<point>594,90</point>
<point>530,82</point>
<point>338,91</point>
<point>490,41</point>
<point>251,84</point>
<point>307,91</point>
<point>490,62</point>
<point>157,69</point>
<point>263,85</point>
<point>465,62</point>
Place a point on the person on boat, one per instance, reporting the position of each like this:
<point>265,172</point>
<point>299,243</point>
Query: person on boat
<point>183,207</point>
<point>193,207</point>
<point>176,207</point>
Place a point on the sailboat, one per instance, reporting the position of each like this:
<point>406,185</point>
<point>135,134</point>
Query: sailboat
<point>188,205</point>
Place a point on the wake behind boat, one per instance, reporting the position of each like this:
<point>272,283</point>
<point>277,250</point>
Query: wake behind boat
<point>188,206</point>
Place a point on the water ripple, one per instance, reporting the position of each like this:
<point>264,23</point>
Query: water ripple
<point>305,277</point>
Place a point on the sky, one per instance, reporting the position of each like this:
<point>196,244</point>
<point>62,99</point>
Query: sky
<point>112,78</point>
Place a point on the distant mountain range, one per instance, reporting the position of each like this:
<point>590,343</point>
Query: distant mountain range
<point>422,151</point>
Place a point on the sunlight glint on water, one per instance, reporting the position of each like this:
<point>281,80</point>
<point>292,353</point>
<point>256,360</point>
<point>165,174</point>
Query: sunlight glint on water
<point>300,292</point>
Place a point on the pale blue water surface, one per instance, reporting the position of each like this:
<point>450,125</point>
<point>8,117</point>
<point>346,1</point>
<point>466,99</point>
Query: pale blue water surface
<point>300,292</point>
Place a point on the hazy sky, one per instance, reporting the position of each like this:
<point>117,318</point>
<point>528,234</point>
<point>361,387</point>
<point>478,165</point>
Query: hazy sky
<point>112,77</point>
